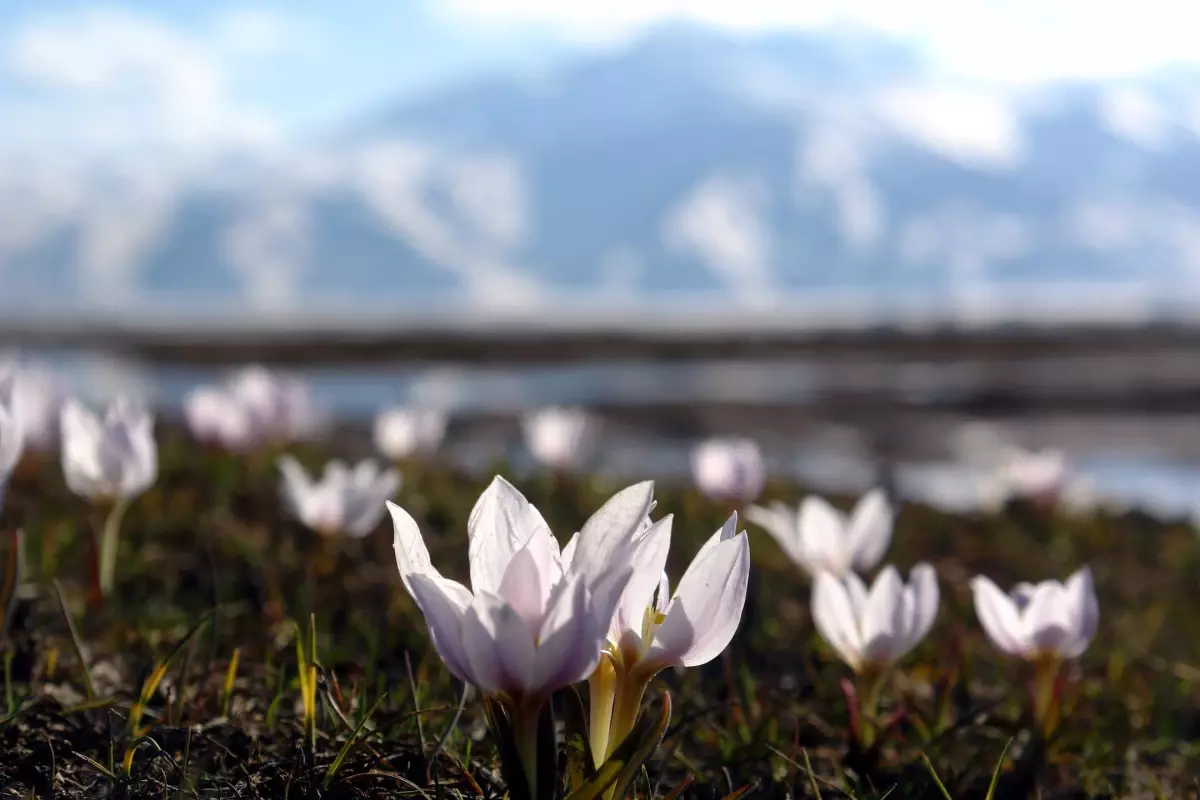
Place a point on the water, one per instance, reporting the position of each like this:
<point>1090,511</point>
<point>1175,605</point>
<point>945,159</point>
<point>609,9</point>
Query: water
<point>655,412</point>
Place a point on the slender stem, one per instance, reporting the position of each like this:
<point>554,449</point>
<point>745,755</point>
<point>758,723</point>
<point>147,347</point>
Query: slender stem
<point>1045,677</point>
<point>109,541</point>
<point>602,688</point>
<point>870,690</point>
<point>631,688</point>
<point>525,718</point>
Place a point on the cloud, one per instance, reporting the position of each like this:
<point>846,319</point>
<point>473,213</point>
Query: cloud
<point>721,222</point>
<point>104,78</point>
<point>974,127</point>
<point>1066,38</point>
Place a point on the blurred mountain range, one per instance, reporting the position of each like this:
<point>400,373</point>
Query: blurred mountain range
<point>691,163</point>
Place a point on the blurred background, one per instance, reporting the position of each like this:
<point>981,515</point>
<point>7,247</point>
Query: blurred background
<point>853,231</point>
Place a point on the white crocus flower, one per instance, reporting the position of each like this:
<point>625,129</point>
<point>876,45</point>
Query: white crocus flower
<point>279,405</point>
<point>114,458</point>
<point>404,432</point>
<point>652,630</point>
<point>1046,621</point>
<point>1038,475</point>
<point>344,501</point>
<point>728,469</point>
<point>109,461</point>
<point>38,397</point>
<point>872,630</point>
<point>559,437</point>
<point>215,417</point>
<point>526,627</point>
<point>819,538</point>
<point>12,437</point>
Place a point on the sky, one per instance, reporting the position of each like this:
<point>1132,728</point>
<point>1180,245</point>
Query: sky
<point>194,73</point>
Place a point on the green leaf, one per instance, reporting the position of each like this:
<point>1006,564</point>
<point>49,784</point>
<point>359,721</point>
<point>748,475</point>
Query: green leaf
<point>581,765</point>
<point>345,751</point>
<point>505,739</point>
<point>621,768</point>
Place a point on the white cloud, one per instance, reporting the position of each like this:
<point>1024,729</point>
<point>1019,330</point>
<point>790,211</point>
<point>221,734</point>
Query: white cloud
<point>268,246</point>
<point>1004,40</point>
<point>721,223</point>
<point>107,77</point>
<point>394,179</point>
<point>964,240</point>
<point>836,161</point>
<point>975,127</point>
<point>1134,116</point>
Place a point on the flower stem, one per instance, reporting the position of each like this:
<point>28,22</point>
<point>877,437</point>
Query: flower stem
<point>1045,679</point>
<point>601,694</point>
<point>870,690</point>
<point>109,541</point>
<point>631,688</point>
<point>525,730</point>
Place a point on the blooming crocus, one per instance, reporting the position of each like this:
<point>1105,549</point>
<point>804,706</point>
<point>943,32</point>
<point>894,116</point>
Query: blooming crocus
<point>114,458</point>
<point>279,405</point>
<point>872,630</point>
<point>1046,624</point>
<point>344,500</point>
<point>527,626</point>
<point>559,437</point>
<point>403,432</point>
<point>1038,475</point>
<point>1047,620</point>
<point>38,399</point>
<point>108,461</point>
<point>11,433</point>
<point>215,417</point>
<point>652,629</point>
<point>819,538</point>
<point>728,469</point>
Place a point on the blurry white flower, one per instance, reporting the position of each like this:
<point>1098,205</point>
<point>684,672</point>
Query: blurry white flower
<point>559,437</point>
<point>11,434</point>
<point>728,469</point>
<point>109,459</point>
<point>952,487</point>
<point>1038,475</point>
<point>214,416</point>
<point>38,398</point>
<point>403,432</point>
<point>820,538</point>
<point>343,500</point>
<point>1047,620</point>
<point>873,630</point>
<point>527,626</point>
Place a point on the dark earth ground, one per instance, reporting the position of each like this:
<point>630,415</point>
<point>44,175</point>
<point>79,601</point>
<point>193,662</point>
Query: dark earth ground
<point>769,719</point>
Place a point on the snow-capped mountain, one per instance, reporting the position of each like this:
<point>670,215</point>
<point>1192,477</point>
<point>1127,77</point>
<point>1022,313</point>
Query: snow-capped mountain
<point>742,169</point>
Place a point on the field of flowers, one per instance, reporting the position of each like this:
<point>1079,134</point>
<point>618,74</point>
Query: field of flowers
<point>219,610</point>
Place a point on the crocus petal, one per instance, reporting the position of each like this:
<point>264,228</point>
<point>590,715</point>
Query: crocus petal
<point>923,597</point>
<point>444,604</point>
<point>498,645</point>
<point>495,533</point>
<point>724,534</point>
<point>856,590</point>
<point>568,552</point>
<point>833,616</point>
<point>781,523</point>
<point>1081,597</point>
<point>1049,620</point>
<point>649,561</point>
<point>606,539</point>
<point>882,623</point>
<point>412,556</point>
<point>707,607</point>
<point>869,530</point>
<point>822,536</point>
<point>522,588</point>
<point>999,617</point>
<point>568,648</point>
<point>296,484</point>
